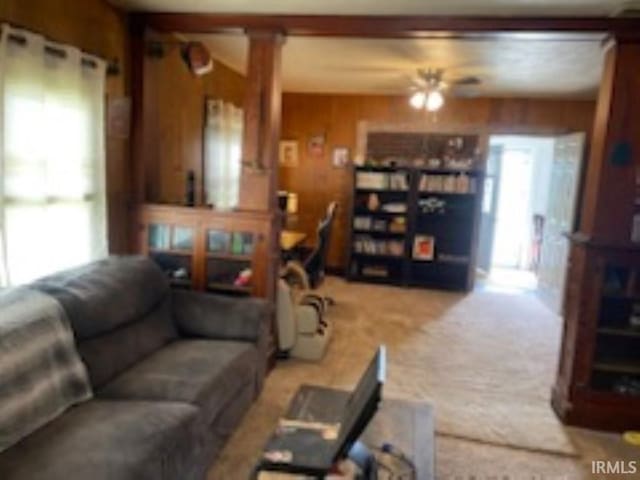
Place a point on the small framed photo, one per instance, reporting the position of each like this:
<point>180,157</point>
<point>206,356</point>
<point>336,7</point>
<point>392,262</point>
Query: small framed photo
<point>340,157</point>
<point>288,156</point>
<point>424,248</point>
<point>316,146</point>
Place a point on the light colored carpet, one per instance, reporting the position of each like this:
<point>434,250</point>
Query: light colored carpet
<point>486,361</point>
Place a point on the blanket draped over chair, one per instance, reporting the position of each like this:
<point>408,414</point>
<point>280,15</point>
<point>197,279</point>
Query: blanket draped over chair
<point>41,373</point>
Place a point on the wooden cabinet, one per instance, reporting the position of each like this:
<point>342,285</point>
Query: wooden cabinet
<point>598,382</point>
<point>207,250</point>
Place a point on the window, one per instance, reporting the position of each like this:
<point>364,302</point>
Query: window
<point>52,193</point>
<point>223,154</point>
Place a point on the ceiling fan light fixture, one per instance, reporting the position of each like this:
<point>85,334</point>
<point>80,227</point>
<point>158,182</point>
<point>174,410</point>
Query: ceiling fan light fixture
<point>434,101</point>
<point>418,100</point>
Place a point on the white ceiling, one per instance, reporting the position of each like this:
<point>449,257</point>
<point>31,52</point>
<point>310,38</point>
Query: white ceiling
<point>383,7</point>
<point>527,66</point>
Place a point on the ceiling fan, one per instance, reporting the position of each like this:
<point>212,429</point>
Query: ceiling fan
<point>429,88</point>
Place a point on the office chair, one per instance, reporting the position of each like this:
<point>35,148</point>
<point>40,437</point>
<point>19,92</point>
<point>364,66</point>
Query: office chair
<point>303,329</point>
<point>315,263</point>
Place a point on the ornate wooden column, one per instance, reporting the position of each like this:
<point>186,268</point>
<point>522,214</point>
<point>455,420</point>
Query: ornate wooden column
<point>614,166</point>
<point>262,112</point>
<point>598,362</point>
<point>261,137</point>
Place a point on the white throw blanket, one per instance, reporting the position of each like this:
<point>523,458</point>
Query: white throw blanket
<point>41,373</point>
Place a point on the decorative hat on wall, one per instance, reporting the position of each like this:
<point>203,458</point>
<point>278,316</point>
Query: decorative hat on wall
<point>197,58</point>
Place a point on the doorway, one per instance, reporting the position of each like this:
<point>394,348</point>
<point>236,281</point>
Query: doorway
<point>528,206</point>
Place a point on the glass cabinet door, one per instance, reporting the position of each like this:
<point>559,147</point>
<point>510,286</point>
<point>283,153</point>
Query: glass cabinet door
<point>229,257</point>
<point>171,247</point>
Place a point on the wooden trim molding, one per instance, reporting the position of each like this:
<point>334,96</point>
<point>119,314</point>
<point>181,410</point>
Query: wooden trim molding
<point>385,26</point>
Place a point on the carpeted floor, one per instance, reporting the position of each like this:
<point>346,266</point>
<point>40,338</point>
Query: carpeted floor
<point>486,361</point>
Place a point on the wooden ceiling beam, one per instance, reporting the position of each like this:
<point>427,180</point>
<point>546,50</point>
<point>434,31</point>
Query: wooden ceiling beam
<point>385,26</point>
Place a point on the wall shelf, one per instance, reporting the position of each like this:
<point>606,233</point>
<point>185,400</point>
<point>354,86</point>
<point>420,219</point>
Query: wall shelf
<point>622,332</point>
<point>617,367</point>
<point>230,256</point>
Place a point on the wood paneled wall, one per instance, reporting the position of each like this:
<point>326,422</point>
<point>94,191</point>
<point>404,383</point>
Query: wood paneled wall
<point>336,117</point>
<point>175,105</point>
<point>100,29</point>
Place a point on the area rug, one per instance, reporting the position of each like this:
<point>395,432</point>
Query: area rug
<point>486,361</point>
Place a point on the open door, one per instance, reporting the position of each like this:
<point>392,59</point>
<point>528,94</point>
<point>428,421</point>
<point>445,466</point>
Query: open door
<point>560,218</point>
<point>489,208</point>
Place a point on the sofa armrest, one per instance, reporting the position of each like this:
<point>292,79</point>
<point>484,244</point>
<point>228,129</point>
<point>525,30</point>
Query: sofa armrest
<point>219,317</point>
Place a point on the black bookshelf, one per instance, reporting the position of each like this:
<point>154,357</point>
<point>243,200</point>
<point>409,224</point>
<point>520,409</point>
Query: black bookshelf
<point>418,232</point>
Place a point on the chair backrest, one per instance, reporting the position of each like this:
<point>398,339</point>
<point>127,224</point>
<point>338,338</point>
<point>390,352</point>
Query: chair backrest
<point>315,263</point>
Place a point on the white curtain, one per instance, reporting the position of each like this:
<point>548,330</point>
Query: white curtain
<point>52,157</point>
<point>223,154</point>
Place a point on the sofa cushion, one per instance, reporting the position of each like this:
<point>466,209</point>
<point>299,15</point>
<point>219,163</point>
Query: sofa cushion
<point>206,373</point>
<point>110,354</point>
<point>104,295</point>
<point>109,440</point>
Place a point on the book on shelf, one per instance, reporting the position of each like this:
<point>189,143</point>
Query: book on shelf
<point>381,225</point>
<point>363,244</point>
<point>372,181</point>
<point>449,183</point>
<point>362,223</point>
<point>397,181</point>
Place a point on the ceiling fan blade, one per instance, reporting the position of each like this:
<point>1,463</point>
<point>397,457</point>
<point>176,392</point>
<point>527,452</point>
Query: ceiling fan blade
<point>467,81</point>
<point>418,82</point>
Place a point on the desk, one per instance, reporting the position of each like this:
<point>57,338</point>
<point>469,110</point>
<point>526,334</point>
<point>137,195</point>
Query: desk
<point>291,239</point>
<point>407,425</point>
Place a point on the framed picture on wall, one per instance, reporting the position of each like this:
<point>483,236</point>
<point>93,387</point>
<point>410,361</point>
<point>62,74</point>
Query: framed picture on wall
<point>340,157</point>
<point>316,146</point>
<point>288,156</point>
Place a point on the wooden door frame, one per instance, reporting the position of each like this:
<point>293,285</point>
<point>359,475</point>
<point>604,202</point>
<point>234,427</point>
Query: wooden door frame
<point>388,26</point>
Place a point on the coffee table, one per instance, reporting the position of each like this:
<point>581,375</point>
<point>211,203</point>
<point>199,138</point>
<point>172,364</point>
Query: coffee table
<point>408,426</point>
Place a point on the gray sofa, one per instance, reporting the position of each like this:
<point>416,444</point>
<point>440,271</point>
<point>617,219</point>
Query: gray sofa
<point>172,373</point>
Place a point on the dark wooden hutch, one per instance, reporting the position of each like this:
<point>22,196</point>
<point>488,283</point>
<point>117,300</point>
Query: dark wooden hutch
<point>598,384</point>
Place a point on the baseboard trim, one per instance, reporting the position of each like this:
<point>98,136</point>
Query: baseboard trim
<point>335,271</point>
